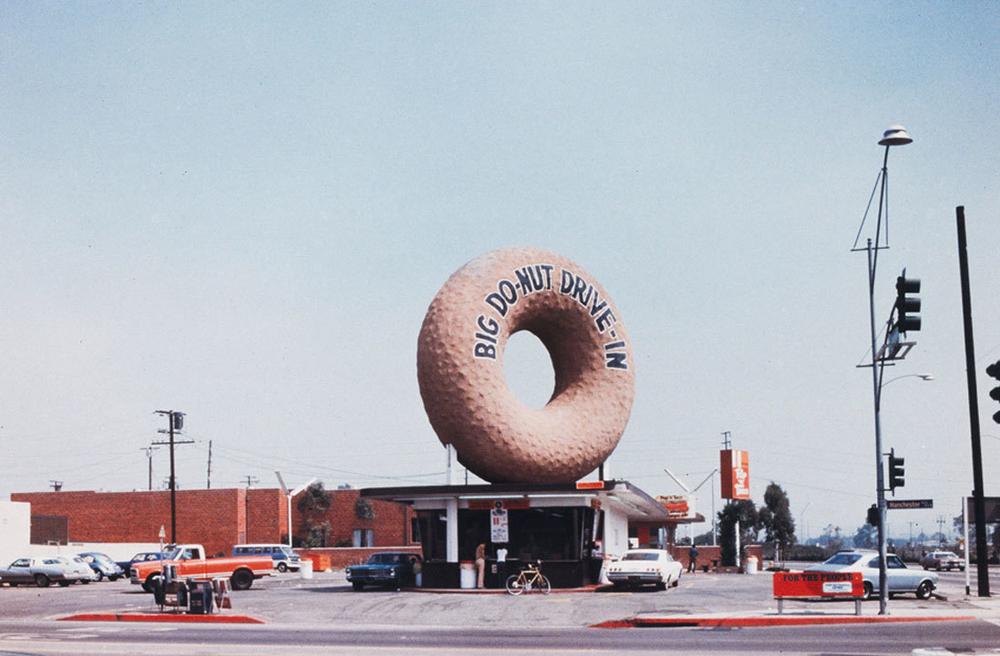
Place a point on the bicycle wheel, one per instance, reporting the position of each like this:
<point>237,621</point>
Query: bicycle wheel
<point>514,585</point>
<point>542,584</point>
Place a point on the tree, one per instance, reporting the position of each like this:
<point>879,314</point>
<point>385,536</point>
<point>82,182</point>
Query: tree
<point>866,537</point>
<point>744,512</point>
<point>312,505</point>
<point>776,518</point>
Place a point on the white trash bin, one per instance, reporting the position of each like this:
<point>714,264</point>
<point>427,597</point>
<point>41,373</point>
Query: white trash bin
<point>306,569</point>
<point>467,574</point>
<point>752,565</point>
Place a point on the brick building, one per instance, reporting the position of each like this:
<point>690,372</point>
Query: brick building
<point>217,519</point>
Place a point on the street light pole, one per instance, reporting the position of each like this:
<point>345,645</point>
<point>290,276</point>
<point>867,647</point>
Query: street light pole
<point>894,136</point>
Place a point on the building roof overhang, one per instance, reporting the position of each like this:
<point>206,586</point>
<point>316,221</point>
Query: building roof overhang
<point>635,503</point>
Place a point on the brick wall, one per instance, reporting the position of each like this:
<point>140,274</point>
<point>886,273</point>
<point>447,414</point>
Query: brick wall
<point>210,517</point>
<point>390,521</point>
<point>339,558</point>
<point>216,518</point>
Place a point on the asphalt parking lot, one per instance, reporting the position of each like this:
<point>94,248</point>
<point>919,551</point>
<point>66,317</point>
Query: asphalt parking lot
<point>328,599</point>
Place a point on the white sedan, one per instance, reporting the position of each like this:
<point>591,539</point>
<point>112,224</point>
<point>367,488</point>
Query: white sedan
<point>643,567</point>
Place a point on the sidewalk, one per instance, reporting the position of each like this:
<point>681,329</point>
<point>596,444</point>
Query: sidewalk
<point>803,613</point>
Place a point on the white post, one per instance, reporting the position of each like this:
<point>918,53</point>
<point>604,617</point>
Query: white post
<point>965,535</point>
<point>289,521</point>
<point>739,560</point>
<point>451,530</point>
<point>449,450</point>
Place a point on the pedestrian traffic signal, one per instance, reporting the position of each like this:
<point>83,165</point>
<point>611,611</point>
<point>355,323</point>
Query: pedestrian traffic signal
<point>993,371</point>
<point>907,306</point>
<point>896,472</point>
<point>873,515</point>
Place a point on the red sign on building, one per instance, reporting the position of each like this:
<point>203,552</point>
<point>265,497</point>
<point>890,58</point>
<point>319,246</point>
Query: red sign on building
<point>734,469</point>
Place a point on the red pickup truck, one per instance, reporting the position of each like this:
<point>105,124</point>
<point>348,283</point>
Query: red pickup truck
<point>190,562</point>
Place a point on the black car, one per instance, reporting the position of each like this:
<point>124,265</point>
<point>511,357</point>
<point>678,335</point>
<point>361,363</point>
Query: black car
<point>139,558</point>
<point>390,569</point>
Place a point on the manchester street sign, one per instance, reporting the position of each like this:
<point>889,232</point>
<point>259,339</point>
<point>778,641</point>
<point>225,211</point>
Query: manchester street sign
<point>909,504</point>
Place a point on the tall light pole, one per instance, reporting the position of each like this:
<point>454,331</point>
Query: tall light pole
<point>894,136</point>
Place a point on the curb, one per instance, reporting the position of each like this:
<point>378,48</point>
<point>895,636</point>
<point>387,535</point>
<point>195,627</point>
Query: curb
<point>482,591</point>
<point>752,622</point>
<point>161,617</point>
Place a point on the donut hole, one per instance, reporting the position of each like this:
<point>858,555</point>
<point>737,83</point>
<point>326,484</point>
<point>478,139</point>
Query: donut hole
<point>528,369</point>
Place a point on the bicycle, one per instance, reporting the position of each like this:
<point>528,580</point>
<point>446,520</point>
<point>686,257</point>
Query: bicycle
<point>528,579</point>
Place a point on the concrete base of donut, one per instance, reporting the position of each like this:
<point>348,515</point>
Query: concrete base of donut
<point>461,375</point>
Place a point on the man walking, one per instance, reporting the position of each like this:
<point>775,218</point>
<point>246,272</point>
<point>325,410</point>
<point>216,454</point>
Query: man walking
<point>692,558</point>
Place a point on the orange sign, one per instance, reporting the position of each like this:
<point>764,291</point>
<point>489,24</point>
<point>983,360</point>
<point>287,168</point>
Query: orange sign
<point>590,485</point>
<point>734,468</point>
<point>805,585</point>
<point>677,506</point>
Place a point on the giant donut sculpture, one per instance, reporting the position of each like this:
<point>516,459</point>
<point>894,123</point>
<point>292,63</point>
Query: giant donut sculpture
<point>461,374</point>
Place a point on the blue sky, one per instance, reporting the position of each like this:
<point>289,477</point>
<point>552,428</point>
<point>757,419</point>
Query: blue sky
<point>242,211</point>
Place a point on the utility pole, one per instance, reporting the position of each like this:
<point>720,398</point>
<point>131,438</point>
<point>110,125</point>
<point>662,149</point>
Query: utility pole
<point>978,502</point>
<point>208,484</point>
<point>149,456</point>
<point>726,439</point>
<point>940,523</point>
<point>175,421</point>
<point>56,485</point>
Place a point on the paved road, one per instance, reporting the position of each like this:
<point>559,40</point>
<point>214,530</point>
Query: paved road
<point>324,615</point>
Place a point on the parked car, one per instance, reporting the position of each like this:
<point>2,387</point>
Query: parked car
<point>80,568</point>
<point>901,579</point>
<point>39,571</point>
<point>391,569</point>
<point>942,560</point>
<point>102,565</point>
<point>284,558</point>
<point>644,567</point>
<point>141,557</point>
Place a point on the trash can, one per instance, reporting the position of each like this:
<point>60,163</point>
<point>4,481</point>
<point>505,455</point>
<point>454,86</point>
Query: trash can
<point>466,574</point>
<point>752,565</point>
<point>306,569</point>
<point>200,598</point>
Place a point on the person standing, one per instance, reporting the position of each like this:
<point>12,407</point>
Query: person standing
<point>692,558</point>
<point>480,565</point>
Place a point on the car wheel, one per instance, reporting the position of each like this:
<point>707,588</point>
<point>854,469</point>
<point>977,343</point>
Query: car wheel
<point>282,567</point>
<point>113,578</point>
<point>868,589</point>
<point>41,581</point>
<point>357,585</point>
<point>676,582</point>
<point>100,576</point>
<point>85,581</point>
<point>924,590</point>
<point>63,584</point>
<point>660,585</point>
<point>939,567</point>
<point>241,579</point>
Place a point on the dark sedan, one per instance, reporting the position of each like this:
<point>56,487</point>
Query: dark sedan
<point>390,569</point>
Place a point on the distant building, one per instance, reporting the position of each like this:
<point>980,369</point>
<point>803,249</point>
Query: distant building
<point>218,518</point>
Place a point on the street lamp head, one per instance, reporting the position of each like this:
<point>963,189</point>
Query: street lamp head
<point>896,135</point>
<point>926,376</point>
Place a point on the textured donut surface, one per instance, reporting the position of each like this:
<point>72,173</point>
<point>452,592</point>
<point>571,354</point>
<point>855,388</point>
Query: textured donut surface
<point>461,373</point>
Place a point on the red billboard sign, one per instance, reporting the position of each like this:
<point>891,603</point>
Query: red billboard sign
<point>734,468</point>
<point>676,505</point>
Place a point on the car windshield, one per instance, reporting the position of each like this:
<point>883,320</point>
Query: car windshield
<point>287,551</point>
<point>383,559</point>
<point>946,554</point>
<point>842,559</point>
<point>641,556</point>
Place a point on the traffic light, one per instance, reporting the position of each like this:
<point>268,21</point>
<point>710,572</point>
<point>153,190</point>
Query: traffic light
<point>873,515</point>
<point>907,306</point>
<point>896,472</point>
<point>993,371</point>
